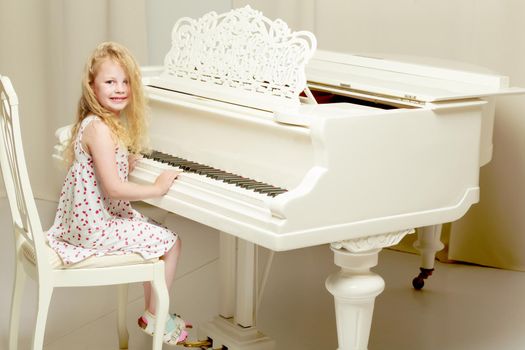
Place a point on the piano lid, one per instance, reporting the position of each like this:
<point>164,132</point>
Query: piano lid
<point>399,79</point>
<point>240,57</point>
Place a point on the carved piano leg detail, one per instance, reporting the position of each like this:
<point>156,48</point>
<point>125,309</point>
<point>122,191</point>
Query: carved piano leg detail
<point>355,287</point>
<point>428,244</point>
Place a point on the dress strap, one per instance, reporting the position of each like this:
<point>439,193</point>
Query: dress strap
<point>80,153</point>
<point>86,121</point>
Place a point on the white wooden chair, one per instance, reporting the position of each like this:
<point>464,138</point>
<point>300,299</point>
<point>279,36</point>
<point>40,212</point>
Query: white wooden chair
<point>36,259</point>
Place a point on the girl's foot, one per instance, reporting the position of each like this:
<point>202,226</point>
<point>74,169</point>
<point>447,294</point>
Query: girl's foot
<point>173,334</point>
<point>180,322</point>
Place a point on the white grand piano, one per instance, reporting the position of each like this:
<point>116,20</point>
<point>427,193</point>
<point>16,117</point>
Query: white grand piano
<point>287,147</point>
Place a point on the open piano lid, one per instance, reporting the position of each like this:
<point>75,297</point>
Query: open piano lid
<point>401,80</point>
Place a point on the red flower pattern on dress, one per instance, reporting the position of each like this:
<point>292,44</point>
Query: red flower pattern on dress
<point>89,224</point>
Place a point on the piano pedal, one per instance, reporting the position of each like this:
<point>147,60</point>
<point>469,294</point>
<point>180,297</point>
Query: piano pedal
<point>201,344</point>
<point>419,282</point>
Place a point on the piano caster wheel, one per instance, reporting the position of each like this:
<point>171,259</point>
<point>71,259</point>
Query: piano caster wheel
<point>419,282</point>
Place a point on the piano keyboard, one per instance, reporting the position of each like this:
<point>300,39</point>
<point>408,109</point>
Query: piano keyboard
<point>216,174</point>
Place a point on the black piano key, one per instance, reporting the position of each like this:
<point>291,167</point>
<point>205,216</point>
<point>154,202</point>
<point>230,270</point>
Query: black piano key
<point>229,178</point>
<point>244,183</point>
<point>238,182</point>
<point>232,177</point>
<point>277,192</point>
<point>203,170</point>
<point>174,162</point>
<point>266,189</point>
<point>200,167</point>
<point>218,175</point>
<point>254,185</point>
<point>214,176</point>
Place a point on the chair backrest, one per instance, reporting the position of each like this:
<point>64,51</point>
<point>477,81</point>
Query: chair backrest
<point>26,221</point>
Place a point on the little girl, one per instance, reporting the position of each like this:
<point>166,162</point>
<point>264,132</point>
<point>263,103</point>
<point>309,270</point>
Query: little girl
<point>94,215</point>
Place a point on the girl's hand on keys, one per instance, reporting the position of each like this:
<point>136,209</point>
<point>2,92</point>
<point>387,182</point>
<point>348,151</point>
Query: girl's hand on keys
<point>165,180</point>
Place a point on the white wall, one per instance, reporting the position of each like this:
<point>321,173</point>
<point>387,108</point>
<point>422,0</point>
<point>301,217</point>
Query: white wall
<point>20,59</point>
<point>298,14</point>
<point>162,15</point>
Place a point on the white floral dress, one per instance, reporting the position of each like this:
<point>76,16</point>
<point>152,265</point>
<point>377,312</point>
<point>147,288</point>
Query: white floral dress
<point>87,223</point>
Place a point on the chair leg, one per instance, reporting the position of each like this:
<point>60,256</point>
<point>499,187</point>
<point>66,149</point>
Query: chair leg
<point>123,335</point>
<point>162,304</point>
<point>44,298</point>
<point>16,305</point>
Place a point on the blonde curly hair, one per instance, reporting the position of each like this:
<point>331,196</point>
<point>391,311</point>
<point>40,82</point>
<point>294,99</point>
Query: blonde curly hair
<point>130,130</point>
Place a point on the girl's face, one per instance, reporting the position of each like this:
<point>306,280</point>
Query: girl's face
<point>111,86</point>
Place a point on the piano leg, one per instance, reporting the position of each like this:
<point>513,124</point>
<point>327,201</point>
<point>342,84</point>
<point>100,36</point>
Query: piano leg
<point>235,328</point>
<point>245,305</point>
<point>355,287</point>
<point>227,266</point>
<point>428,244</point>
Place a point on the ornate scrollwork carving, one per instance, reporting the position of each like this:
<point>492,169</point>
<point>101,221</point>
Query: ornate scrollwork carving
<point>241,49</point>
<point>363,244</point>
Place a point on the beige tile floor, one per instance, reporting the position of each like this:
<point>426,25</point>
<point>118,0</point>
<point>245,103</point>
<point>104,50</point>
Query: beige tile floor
<point>462,307</point>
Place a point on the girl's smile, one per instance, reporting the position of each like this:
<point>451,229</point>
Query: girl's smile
<point>111,86</point>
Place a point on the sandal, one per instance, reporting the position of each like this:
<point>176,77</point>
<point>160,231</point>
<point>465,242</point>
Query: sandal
<point>174,334</point>
<point>179,322</point>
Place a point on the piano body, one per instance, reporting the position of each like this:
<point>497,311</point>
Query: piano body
<point>373,149</point>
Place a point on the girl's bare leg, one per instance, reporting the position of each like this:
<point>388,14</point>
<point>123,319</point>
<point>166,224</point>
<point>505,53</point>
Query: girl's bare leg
<point>170,266</point>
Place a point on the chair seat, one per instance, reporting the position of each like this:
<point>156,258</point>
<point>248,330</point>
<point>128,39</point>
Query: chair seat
<point>92,262</point>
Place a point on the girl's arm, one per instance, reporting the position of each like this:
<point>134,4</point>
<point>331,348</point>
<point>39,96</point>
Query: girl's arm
<point>132,161</point>
<point>98,142</point>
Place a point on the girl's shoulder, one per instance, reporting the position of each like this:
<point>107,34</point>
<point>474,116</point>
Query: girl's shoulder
<point>95,123</point>
<point>88,119</point>
<point>94,128</point>
<point>97,126</point>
